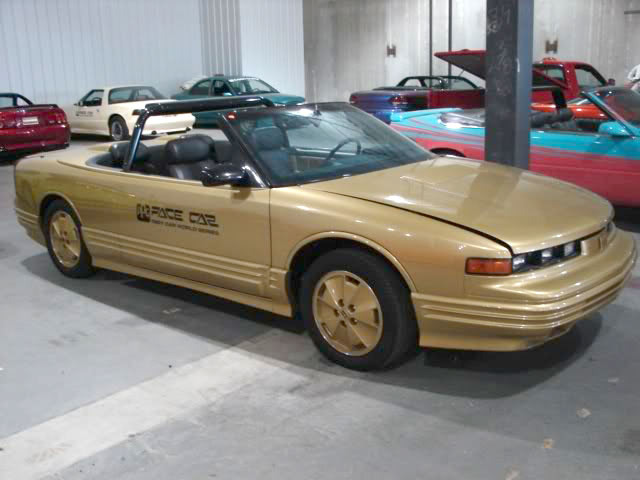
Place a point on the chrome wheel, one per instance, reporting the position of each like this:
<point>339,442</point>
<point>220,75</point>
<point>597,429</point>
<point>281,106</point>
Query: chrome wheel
<point>116,131</point>
<point>347,313</point>
<point>65,239</point>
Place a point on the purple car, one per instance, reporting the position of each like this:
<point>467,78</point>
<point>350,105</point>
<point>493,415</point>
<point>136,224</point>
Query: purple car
<point>419,93</point>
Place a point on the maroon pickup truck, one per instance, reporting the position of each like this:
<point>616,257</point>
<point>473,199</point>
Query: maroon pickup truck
<point>419,93</point>
<point>424,92</point>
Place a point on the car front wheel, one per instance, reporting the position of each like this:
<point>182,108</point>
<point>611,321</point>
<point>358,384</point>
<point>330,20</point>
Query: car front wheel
<point>64,241</point>
<point>357,310</point>
<point>118,129</point>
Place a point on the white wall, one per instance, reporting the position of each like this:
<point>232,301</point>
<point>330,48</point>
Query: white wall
<point>345,40</point>
<point>273,43</point>
<point>220,35</point>
<point>56,50</point>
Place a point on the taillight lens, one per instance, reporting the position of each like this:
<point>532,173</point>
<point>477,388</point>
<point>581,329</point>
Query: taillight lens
<point>399,101</point>
<point>489,266</point>
<point>8,120</point>
<point>353,99</point>
<point>54,118</point>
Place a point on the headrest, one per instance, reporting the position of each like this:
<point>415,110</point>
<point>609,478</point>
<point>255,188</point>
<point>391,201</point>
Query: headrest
<point>119,152</point>
<point>564,115</point>
<point>186,150</point>
<point>539,119</point>
<point>206,138</point>
<point>268,138</point>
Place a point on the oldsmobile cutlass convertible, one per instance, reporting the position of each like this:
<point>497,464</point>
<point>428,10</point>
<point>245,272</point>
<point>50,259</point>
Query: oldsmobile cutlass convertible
<point>322,210</point>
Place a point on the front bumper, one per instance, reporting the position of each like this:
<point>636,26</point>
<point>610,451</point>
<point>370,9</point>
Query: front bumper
<point>529,313</point>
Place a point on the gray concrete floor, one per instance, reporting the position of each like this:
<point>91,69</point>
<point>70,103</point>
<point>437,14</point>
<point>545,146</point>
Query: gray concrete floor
<point>118,377</point>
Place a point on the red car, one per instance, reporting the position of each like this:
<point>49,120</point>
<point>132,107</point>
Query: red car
<point>25,127</point>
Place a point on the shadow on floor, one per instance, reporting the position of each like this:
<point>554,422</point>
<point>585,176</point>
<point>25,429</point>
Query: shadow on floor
<point>457,373</point>
<point>628,218</point>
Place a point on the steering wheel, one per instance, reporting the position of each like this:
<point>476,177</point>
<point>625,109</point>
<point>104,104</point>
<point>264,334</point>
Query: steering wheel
<point>342,144</point>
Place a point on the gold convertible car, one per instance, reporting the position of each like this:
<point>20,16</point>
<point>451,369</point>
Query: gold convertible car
<point>322,210</point>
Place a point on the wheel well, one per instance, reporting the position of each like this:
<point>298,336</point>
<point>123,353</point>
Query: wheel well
<point>447,151</point>
<point>46,201</point>
<point>310,252</point>
<point>114,116</point>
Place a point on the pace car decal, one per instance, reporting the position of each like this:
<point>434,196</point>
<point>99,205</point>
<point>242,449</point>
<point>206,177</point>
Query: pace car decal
<point>176,218</point>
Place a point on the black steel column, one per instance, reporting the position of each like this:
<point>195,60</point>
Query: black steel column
<point>508,78</point>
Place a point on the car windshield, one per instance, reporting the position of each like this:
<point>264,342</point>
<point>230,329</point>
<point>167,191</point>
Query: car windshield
<point>312,143</point>
<point>134,94</point>
<point>624,102</point>
<point>251,86</point>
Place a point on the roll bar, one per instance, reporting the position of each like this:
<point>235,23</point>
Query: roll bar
<point>185,106</point>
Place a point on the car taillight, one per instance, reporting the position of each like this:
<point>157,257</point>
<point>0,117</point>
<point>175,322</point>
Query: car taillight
<point>8,120</point>
<point>53,118</point>
<point>353,99</point>
<point>399,101</point>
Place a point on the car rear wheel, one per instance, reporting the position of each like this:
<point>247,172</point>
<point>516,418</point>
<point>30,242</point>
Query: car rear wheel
<point>64,241</point>
<point>118,129</point>
<point>357,310</point>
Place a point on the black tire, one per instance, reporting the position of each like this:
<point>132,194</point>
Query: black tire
<point>446,151</point>
<point>118,129</point>
<point>84,267</point>
<point>399,332</point>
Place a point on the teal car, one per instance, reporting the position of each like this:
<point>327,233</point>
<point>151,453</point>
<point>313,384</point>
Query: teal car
<point>229,86</point>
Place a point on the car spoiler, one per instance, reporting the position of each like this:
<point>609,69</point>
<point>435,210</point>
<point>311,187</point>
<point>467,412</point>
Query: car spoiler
<point>185,106</point>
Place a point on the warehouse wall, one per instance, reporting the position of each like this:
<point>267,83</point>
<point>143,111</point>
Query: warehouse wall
<point>345,40</point>
<point>273,43</point>
<point>56,50</point>
<point>220,36</point>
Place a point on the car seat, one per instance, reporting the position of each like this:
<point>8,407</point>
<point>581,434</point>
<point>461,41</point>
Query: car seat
<point>119,153</point>
<point>271,145</point>
<point>187,157</point>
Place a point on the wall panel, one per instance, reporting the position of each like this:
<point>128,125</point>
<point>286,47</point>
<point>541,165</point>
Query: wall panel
<point>56,50</point>
<point>273,43</point>
<point>220,36</point>
<point>345,40</point>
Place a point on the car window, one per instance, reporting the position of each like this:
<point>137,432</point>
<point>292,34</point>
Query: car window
<point>22,102</point>
<point>460,84</point>
<point>93,98</point>
<point>251,86</point>
<point>588,77</point>
<point>412,82</point>
<point>298,145</point>
<point>554,71</point>
<point>201,88</point>
<point>6,102</point>
<point>221,89</point>
<point>134,94</point>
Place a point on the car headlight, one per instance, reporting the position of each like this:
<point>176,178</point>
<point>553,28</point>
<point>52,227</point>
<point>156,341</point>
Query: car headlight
<point>523,262</point>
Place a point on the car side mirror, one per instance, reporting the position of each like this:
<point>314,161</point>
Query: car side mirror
<point>224,174</point>
<point>611,81</point>
<point>614,129</point>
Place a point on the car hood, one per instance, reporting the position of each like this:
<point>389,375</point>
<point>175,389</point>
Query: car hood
<point>527,211</point>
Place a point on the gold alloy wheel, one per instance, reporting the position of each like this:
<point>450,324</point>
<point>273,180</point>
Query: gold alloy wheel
<point>347,313</point>
<point>65,239</point>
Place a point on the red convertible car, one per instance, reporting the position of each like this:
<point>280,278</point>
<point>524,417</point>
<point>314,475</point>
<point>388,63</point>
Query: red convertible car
<point>25,127</point>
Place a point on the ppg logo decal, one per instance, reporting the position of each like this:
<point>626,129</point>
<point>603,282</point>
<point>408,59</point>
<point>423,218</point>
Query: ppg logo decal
<point>143,212</point>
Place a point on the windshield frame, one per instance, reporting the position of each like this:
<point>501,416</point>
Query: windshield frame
<point>231,120</point>
<point>593,96</point>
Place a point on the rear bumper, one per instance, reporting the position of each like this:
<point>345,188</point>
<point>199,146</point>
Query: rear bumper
<point>31,139</point>
<point>518,323</point>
